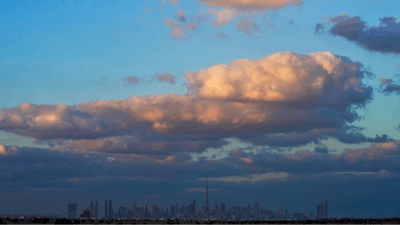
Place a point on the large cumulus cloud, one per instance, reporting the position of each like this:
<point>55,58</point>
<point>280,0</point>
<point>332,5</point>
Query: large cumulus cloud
<point>307,97</point>
<point>382,38</point>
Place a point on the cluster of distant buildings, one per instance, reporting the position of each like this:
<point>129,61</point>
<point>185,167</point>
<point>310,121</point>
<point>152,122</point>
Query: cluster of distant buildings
<point>219,211</point>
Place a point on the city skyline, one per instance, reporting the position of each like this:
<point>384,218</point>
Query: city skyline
<point>158,102</point>
<point>220,211</point>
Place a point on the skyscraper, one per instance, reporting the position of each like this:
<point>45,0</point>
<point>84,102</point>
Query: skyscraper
<point>110,210</point>
<point>207,206</point>
<point>325,209</point>
<point>72,210</point>
<point>280,210</point>
<point>91,208</point>
<point>222,208</point>
<point>134,211</point>
<point>105,210</point>
<point>96,209</point>
<point>319,211</point>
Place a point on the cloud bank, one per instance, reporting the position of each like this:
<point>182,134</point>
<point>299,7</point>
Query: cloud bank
<point>284,99</point>
<point>383,38</point>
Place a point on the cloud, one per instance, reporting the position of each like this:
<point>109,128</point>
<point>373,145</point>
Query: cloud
<point>383,38</point>
<point>179,29</point>
<point>276,79</point>
<point>180,15</point>
<point>375,151</point>
<point>165,77</point>
<point>252,4</point>
<point>222,36</point>
<point>285,98</point>
<point>223,16</point>
<point>224,11</point>
<point>319,28</point>
<point>278,176</point>
<point>138,145</point>
<point>132,80</point>
<point>388,86</point>
<point>7,150</point>
<point>248,27</point>
<point>201,189</point>
<point>321,150</point>
<point>172,2</point>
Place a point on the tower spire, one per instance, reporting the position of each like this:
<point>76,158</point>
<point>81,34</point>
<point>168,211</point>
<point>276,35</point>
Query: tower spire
<point>207,207</point>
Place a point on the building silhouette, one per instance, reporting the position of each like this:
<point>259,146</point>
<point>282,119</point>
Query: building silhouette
<point>122,212</point>
<point>207,208</point>
<point>325,209</point>
<point>222,208</point>
<point>319,211</point>
<point>280,210</point>
<point>134,211</point>
<point>85,214</point>
<point>110,210</point>
<point>72,210</point>
<point>105,210</point>
<point>96,210</point>
<point>91,208</point>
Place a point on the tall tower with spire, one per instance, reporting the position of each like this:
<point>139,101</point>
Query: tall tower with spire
<point>207,207</point>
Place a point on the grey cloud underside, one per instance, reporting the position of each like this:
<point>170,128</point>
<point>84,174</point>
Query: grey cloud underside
<point>36,166</point>
<point>383,38</point>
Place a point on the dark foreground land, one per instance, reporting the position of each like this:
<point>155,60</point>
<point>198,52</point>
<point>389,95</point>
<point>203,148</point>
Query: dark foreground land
<point>116,221</point>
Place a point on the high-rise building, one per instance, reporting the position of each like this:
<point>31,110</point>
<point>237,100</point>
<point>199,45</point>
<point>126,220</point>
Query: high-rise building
<point>194,205</point>
<point>105,210</point>
<point>72,210</point>
<point>134,211</point>
<point>280,210</point>
<point>96,209</point>
<point>222,208</point>
<point>325,209</point>
<point>110,210</point>
<point>122,212</point>
<point>216,208</point>
<point>286,212</point>
<point>319,211</point>
<point>91,208</point>
<point>207,206</point>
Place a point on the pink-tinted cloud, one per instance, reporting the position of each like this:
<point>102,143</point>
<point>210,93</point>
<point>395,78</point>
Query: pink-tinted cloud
<point>374,152</point>
<point>281,77</point>
<point>7,150</point>
<point>229,9</point>
<point>136,145</point>
<point>303,96</point>
<point>132,80</point>
<point>172,2</point>
<point>180,27</point>
<point>252,4</point>
<point>165,77</point>
<point>248,27</point>
<point>223,16</point>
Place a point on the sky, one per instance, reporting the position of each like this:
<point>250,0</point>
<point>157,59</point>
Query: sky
<point>284,102</point>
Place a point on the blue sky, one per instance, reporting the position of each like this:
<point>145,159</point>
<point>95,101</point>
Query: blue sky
<point>80,62</point>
